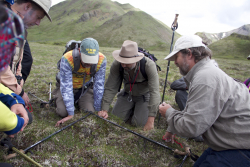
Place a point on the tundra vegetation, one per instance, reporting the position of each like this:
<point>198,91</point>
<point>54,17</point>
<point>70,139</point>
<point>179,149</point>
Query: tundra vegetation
<point>92,141</point>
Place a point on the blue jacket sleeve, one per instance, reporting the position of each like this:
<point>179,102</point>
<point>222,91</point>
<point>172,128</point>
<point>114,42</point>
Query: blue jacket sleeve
<point>9,98</point>
<point>66,86</point>
<point>98,87</point>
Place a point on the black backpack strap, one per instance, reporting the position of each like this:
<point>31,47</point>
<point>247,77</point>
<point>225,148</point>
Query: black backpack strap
<point>248,81</point>
<point>121,76</point>
<point>93,68</point>
<point>142,68</point>
<point>76,59</point>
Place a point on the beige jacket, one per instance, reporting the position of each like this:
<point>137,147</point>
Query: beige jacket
<point>218,107</point>
<point>8,78</point>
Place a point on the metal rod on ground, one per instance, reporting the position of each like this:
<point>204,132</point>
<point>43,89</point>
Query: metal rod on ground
<point>7,143</point>
<point>174,150</point>
<point>25,150</point>
<point>174,27</point>
<point>37,97</point>
<point>184,159</point>
<point>26,157</point>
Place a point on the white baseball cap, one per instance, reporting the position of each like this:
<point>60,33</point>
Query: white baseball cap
<point>185,42</point>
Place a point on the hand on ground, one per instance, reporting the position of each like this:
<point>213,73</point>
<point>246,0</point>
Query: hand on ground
<point>64,120</point>
<point>168,137</point>
<point>103,114</point>
<point>150,124</point>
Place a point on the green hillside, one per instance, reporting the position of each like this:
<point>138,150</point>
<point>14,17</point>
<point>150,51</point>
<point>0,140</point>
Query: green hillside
<point>233,47</point>
<point>73,18</point>
<point>137,26</point>
<point>109,22</point>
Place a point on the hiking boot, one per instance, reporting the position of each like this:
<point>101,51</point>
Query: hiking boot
<point>198,139</point>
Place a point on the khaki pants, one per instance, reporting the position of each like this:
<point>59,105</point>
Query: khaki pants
<point>137,109</point>
<point>86,102</point>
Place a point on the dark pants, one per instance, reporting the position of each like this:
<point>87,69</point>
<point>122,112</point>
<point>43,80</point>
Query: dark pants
<point>29,115</point>
<point>5,165</point>
<point>227,158</point>
<point>27,61</point>
<point>181,98</point>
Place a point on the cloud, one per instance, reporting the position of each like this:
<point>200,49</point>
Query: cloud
<point>211,16</point>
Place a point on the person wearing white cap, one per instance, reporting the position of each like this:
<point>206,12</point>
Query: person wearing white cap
<point>32,12</point>
<point>217,107</point>
<point>139,99</point>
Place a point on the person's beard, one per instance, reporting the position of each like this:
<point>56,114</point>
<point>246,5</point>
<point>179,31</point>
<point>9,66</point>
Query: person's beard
<point>184,68</point>
<point>128,69</point>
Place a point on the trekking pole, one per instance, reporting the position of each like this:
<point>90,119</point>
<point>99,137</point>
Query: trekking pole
<point>7,143</point>
<point>49,83</point>
<point>155,142</point>
<point>50,90</point>
<point>184,159</point>
<point>173,27</point>
<point>25,150</point>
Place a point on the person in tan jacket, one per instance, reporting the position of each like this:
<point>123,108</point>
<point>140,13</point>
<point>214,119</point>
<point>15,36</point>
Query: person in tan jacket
<point>32,12</point>
<point>217,107</point>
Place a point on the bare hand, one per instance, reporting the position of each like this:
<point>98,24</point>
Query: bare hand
<point>64,120</point>
<point>26,99</point>
<point>103,114</point>
<point>150,124</point>
<point>168,137</point>
<point>20,110</point>
<point>163,108</point>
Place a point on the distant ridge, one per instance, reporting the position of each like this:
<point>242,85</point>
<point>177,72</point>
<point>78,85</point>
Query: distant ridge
<point>109,22</point>
<point>235,46</point>
<point>210,38</point>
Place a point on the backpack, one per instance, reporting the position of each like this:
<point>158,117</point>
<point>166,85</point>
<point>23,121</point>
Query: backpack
<point>149,55</point>
<point>247,83</point>
<point>75,46</point>
<point>142,65</point>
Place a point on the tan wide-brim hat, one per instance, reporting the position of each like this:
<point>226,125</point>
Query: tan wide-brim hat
<point>45,5</point>
<point>128,54</point>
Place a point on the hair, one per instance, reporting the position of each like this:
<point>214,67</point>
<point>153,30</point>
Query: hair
<point>34,5</point>
<point>199,53</point>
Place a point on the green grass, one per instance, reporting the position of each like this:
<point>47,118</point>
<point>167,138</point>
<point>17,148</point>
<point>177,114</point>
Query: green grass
<point>234,46</point>
<point>92,141</point>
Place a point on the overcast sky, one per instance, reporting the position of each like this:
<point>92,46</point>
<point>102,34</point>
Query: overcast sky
<point>212,16</point>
